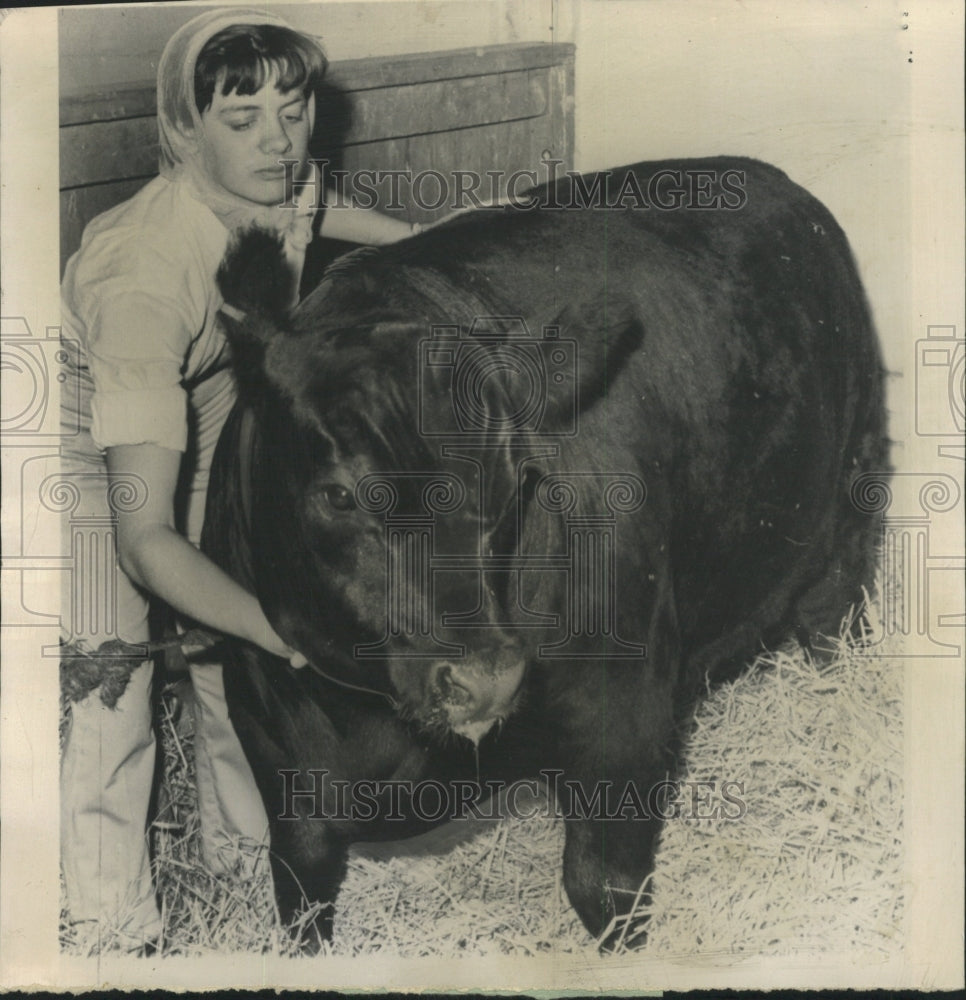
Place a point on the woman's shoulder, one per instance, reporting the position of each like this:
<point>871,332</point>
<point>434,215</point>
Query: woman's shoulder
<point>159,235</point>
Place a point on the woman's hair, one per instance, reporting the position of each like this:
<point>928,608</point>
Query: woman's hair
<point>242,57</point>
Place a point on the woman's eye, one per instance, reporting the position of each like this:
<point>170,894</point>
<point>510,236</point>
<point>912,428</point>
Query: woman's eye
<point>241,126</point>
<point>339,497</point>
<point>295,119</point>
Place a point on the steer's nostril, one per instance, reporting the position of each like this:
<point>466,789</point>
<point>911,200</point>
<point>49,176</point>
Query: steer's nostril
<point>444,679</point>
<point>448,687</point>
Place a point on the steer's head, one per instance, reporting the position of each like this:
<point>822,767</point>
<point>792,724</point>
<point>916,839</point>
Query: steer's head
<point>383,530</point>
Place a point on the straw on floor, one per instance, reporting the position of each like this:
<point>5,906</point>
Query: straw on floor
<point>809,859</point>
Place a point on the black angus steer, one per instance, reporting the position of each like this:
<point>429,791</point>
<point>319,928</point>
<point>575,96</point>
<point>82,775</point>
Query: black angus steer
<point>524,481</point>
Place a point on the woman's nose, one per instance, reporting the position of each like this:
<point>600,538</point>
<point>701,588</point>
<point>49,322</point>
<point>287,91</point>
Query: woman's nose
<point>275,139</point>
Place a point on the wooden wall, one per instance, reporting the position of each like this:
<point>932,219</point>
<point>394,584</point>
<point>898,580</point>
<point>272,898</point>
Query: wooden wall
<point>498,108</point>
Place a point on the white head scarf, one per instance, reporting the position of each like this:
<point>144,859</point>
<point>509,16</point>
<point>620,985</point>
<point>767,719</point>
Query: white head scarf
<point>181,136</point>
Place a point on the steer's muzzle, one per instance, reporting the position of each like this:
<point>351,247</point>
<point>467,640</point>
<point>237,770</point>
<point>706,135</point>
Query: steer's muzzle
<point>466,695</point>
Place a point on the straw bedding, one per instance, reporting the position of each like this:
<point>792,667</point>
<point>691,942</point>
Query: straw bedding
<point>813,861</point>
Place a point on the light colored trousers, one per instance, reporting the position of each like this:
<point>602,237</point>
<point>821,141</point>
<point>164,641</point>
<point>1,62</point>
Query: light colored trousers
<point>108,767</point>
<point>107,772</point>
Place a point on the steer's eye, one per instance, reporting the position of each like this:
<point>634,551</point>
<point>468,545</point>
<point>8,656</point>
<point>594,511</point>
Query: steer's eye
<point>339,497</point>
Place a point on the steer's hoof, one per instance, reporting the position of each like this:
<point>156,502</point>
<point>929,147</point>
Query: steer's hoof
<point>310,928</point>
<point>627,933</point>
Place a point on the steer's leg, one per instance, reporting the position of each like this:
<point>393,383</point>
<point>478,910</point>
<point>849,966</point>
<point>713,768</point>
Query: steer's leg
<point>308,866</point>
<point>289,743</point>
<point>616,730</point>
<point>308,857</point>
<point>307,742</point>
<point>606,865</point>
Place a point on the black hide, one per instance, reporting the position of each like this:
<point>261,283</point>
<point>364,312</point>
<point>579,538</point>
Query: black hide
<point>708,385</point>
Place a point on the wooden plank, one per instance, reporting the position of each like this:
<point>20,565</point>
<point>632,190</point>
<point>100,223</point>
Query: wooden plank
<point>131,101</point>
<point>108,151</point>
<point>394,71</point>
<point>480,160</point>
<point>442,106</point>
<point>560,114</point>
<point>137,98</point>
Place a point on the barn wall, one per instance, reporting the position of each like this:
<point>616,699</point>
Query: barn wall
<point>821,90</point>
<point>98,50</point>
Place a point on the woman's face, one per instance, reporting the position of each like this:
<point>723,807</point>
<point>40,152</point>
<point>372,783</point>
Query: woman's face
<point>246,136</point>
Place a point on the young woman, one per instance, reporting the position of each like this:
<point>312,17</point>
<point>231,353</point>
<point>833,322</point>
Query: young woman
<point>140,323</point>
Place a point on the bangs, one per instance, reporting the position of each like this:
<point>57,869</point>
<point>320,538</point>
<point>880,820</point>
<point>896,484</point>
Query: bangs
<point>242,58</point>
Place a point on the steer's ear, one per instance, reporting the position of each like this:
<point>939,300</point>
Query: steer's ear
<point>597,338</point>
<point>256,283</point>
<point>254,276</point>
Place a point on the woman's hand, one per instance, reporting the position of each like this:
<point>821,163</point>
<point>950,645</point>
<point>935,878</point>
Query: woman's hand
<point>269,640</point>
<point>365,225</point>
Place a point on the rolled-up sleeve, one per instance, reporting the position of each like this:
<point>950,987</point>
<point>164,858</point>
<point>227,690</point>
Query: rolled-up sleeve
<point>154,416</point>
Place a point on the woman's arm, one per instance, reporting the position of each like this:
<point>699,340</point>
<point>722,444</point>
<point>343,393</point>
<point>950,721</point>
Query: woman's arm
<point>364,225</point>
<point>155,556</point>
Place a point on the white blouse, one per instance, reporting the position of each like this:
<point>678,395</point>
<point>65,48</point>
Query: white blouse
<point>141,330</point>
